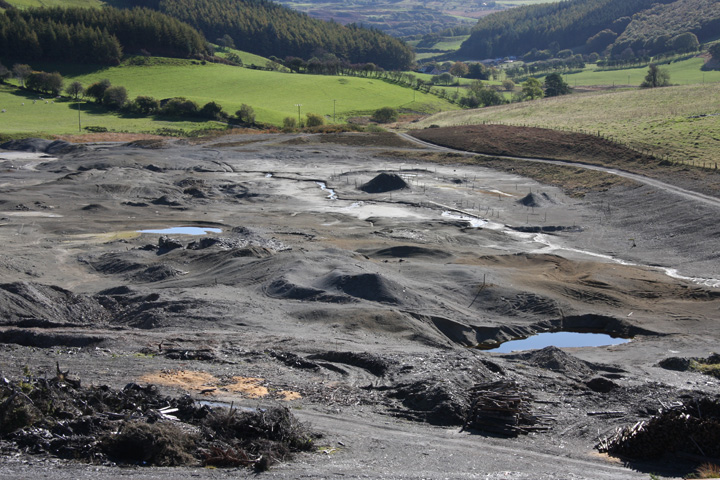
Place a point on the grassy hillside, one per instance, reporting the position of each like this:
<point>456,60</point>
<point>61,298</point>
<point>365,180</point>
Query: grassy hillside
<point>683,72</point>
<point>61,117</point>
<point>679,121</point>
<point>273,95</point>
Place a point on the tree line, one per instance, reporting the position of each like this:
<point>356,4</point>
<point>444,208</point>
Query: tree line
<point>85,35</point>
<point>266,28</point>
<point>553,26</point>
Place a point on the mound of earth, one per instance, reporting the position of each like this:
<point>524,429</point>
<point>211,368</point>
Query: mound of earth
<point>55,147</point>
<point>157,273</point>
<point>409,251</point>
<point>384,182</point>
<point>535,200</point>
<point>35,305</point>
<point>287,289</point>
<point>368,286</point>
<point>529,142</point>
<point>554,359</point>
<point>436,401</point>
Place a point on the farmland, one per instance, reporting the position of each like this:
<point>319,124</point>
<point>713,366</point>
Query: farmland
<point>229,86</point>
<point>676,121</point>
<point>60,116</point>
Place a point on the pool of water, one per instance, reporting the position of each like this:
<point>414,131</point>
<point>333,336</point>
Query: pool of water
<point>183,231</point>
<point>559,339</point>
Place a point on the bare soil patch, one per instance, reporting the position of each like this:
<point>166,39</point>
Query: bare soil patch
<point>531,142</point>
<point>356,312</point>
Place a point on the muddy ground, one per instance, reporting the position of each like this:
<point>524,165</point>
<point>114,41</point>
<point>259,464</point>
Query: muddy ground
<point>355,299</point>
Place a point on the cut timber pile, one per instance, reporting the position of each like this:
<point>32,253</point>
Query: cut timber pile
<point>692,428</point>
<point>502,408</point>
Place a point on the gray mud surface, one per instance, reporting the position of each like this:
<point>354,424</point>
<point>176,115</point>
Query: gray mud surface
<point>357,310</point>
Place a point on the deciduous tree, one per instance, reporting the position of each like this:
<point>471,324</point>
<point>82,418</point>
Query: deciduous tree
<point>555,85</point>
<point>656,77</point>
<point>532,89</point>
<point>97,89</point>
<point>75,89</point>
<point>21,71</point>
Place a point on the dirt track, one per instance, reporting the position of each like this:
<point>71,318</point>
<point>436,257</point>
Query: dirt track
<point>364,304</point>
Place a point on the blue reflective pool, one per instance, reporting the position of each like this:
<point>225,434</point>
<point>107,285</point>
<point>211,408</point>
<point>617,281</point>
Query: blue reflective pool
<point>559,339</point>
<point>183,231</point>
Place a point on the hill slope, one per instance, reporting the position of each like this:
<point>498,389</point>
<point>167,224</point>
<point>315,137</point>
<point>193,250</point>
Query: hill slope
<point>662,22</point>
<point>676,121</point>
<point>572,23</point>
<point>266,28</point>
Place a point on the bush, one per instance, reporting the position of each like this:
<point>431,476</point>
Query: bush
<point>212,111</point>
<point>145,105</point>
<point>314,120</point>
<point>97,89</point>
<point>246,114</point>
<point>115,97</point>
<point>289,123</point>
<point>180,107</point>
<point>385,115</point>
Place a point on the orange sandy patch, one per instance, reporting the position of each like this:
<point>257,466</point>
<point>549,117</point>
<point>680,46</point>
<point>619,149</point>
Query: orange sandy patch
<point>191,380</point>
<point>248,386</point>
<point>289,395</point>
<point>186,379</point>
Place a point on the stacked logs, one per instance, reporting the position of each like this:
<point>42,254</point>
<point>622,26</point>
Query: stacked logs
<point>502,408</point>
<point>690,429</point>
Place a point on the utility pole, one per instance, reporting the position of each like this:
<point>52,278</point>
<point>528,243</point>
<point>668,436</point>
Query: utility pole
<point>298,105</point>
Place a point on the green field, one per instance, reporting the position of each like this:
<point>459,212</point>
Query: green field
<point>680,121</point>
<point>273,95</point>
<point>683,72</point>
<point>451,43</point>
<point>246,57</point>
<point>60,116</point>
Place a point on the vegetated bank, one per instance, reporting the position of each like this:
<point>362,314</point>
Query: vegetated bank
<point>678,122</point>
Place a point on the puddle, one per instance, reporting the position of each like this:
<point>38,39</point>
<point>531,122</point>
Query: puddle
<point>501,193</point>
<point>473,221</point>
<point>324,188</point>
<point>560,340</point>
<point>30,213</point>
<point>184,230</point>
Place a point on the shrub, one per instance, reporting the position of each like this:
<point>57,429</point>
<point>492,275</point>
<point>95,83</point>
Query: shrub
<point>246,114</point>
<point>180,107</point>
<point>314,120</point>
<point>97,89</point>
<point>289,123</point>
<point>115,97</point>
<point>385,115</point>
<point>212,111</point>
<point>144,105</point>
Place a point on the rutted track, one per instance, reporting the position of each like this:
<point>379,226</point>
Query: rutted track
<point>684,193</point>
